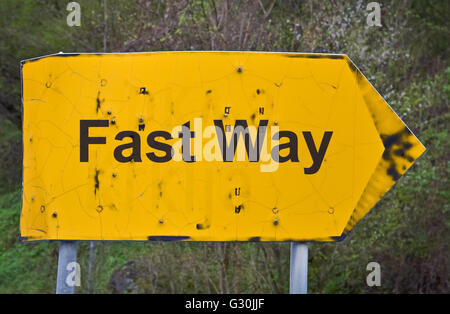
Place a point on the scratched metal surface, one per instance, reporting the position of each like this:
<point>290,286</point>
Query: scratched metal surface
<point>103,199</point>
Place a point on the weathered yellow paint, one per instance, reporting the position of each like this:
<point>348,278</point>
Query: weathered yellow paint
<point>104,199</point>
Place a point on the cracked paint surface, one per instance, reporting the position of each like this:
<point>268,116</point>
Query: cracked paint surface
<point>103,199</point>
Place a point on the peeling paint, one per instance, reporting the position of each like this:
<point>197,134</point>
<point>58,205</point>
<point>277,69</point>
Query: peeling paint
<point>96,181</point>
<point>98,102</point>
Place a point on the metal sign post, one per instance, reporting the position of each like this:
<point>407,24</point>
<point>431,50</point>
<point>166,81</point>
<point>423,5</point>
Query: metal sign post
<point>298,281</point>
<point>67,255</point>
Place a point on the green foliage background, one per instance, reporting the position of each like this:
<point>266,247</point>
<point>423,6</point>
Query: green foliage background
<point>406,59</point>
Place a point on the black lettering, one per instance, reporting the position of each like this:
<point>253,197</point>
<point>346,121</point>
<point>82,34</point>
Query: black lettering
<point>135,144</point>
<point>241,127</point>
<point>292,145</point>
<point>85,140</point>
<point>186,134</point>
<point>317,157</point>
<point>160,146</point>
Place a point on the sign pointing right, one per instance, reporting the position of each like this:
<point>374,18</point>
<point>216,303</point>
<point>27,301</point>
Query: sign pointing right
<point>401,148</point>
<point>204,146</point>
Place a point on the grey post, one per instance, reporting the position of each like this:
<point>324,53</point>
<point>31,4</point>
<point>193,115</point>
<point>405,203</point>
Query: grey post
<point>67,255</point>
<point>298,283</point>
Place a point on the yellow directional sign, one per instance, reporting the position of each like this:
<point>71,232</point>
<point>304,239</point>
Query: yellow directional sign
<point>204,146</point>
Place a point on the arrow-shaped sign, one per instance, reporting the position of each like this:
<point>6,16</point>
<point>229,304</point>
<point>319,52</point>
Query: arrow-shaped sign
<point>209,146</point>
